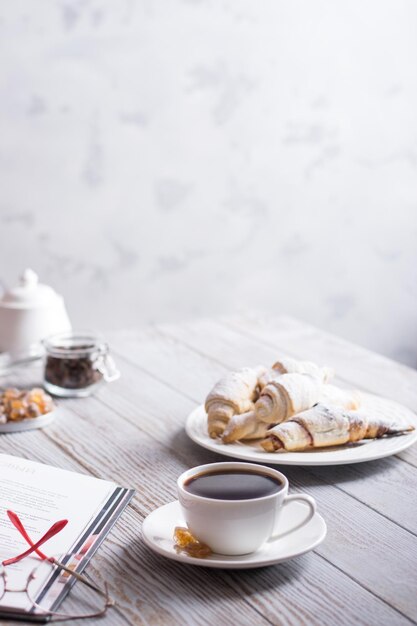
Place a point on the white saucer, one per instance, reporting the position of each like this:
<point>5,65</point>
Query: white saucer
<point>366,450</point>
<point>158,530</point>
<point>30,423</point>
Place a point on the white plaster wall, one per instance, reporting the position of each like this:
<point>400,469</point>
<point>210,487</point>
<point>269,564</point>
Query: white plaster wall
<point>163,159</point>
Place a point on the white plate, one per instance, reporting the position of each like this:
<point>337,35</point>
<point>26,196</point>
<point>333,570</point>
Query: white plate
<point>367,450</point>
<point>158,531</point>
<point>31,423</point>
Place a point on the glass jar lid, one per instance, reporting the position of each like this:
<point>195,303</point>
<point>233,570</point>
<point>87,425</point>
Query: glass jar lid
<point>75,344</point>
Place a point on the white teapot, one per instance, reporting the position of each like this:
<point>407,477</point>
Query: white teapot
<point>30,312</point>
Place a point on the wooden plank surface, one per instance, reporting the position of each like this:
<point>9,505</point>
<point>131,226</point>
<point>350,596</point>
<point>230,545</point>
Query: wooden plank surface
<point>133,432</point>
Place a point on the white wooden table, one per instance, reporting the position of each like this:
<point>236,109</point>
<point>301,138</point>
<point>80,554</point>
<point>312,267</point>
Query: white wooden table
<point>132,432</point>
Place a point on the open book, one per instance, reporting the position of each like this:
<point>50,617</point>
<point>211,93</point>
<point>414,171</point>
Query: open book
<point>42,495</point>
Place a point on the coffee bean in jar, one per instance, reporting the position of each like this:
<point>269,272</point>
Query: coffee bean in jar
<point>76,364</point>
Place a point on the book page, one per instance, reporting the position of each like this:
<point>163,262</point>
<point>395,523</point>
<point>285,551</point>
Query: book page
<point>41,495</point>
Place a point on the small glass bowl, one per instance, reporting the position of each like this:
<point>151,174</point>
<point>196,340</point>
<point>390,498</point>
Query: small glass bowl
<point>76,363</point>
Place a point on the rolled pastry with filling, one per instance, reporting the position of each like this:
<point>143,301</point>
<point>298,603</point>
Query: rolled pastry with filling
<point>324,426</point>
<point>245,426</point>
<point>233,394</point>
<point>288,365</point>
<point>248,426</point>
<point>287,395</point>
<point>349,399</point>
<point>254,425</point>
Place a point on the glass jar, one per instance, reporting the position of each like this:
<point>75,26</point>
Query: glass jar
<point>76,363</point>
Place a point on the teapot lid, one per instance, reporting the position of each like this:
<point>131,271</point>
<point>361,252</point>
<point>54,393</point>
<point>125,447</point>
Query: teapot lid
<point>29,293</point>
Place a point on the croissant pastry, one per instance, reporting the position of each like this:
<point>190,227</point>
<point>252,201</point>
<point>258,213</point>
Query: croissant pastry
<point>349,399</point>
<point>288,365</point>
<point>248,425</point>
<point>245,426</point>
<point>251,425</point>
<point>233,394</point>
<point>324,426</point>
<point>287,395</point>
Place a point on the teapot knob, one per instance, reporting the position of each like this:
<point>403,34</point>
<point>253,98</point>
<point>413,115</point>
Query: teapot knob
<point>29,279</point>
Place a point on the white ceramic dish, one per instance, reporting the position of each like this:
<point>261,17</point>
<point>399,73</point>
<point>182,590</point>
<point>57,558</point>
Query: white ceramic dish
<point>158,530</point>
<point>31,423</point>
<point>367,450</point>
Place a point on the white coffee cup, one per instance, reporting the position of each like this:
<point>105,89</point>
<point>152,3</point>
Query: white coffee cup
<point>235,527</point>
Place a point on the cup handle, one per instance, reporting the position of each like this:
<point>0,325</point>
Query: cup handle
<point>312,510</point>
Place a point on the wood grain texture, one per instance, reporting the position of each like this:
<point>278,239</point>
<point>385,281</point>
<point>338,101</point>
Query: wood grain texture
<point>253,349</point>
<point>132,433</point>
<point>166,488</point>
<point>381,585</point>
<point>248,351</point>
<point>127,456</point>
<point>358,366</point>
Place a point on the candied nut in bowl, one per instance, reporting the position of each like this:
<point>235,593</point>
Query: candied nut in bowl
<point>17,405</point>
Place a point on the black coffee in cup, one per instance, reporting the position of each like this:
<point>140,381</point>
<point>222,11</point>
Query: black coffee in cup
<point>233,485</point>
